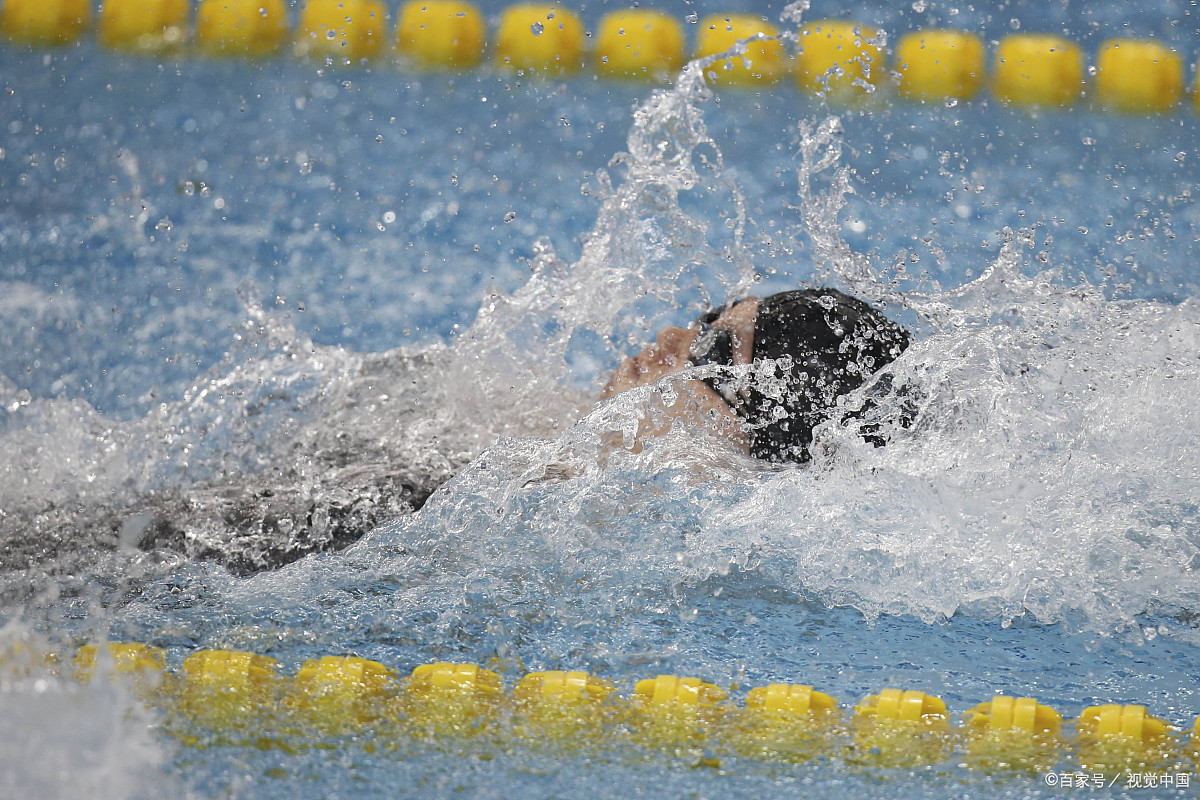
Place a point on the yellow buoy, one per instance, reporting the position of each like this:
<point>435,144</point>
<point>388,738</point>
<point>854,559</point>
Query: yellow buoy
<point>1037,70</point>
<point>568,707</point>
<point>1138,75</point>
<point>639,43</point>
<point>241,27</point>
<point>445,698</point>
<point>1126,722</point>
<point>124,658</point>
<point>670,711</point>
<point>898,728</point>
<point>793,700</point>
<point>540,37</point>
<point>1013,733</point>
<point>226,688</point>
<point>1023,714</point>
<point>785,721</point>
<point>764,61</point>
<point>441,33</point>
<point>1115,739</point>
<point>44,22</point>
<point>940,65</point>
<point>342,29</point>
<point>895,705</point>
<point>561,688</point>
<point>838,56</point>
<point>145,25</point>
<point>339,694</point>
<point>670,694</point>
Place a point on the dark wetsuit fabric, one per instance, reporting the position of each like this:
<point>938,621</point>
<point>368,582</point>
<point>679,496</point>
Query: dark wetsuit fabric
<point>824,344</point>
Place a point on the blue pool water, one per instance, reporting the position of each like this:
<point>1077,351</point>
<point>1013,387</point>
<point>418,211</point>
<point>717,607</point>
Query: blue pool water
<point>219,273</point>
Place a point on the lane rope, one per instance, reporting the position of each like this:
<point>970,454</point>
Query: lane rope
<point>841,59</point>
<point>235,697</point>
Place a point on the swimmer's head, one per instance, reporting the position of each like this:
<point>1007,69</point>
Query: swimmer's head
<point>821,344</point>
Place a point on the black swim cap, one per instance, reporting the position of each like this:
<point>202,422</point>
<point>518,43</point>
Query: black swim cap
<point>828,344</point>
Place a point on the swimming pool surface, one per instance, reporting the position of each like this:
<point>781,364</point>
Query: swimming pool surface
<point>215,272</point>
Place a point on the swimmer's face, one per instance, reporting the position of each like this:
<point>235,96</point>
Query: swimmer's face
<point>669,353</point>
<point>696,403</point>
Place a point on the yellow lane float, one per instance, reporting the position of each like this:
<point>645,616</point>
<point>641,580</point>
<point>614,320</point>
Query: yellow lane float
<point>451,699</point>
<point>1138,75</point>
<point>1114,739</point>
<point>1013,733</point>
<point>674,713</point>
<point>562,707</point>
<point>639,43</point>
<point>839,58</point>
<point>940,65</point>
<point>44,22</point>
<point>540,37</point>
<point>228,697</point>
<point>784,721</point>
<point>141,661</point>
<point>764,61</point>
<point>441,34</point>
<point>900,728</point>
<point>228,690</point>
<point>343,30</point>
<point>341,694</point>
<point>252,28</point>
<point>1037,70</point>
<point>149,26</point>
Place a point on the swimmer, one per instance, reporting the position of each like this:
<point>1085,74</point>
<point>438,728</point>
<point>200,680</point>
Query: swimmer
<point>823,344</point>
<point>777,367</point>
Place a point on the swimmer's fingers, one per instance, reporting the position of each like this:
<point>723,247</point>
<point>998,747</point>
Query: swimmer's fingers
<point>625,377</point>
<point>670,354</point>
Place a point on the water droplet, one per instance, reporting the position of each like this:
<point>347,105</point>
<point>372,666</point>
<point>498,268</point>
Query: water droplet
<point>510,216</point>
<point>389,217</point>
<point>537,28</point>
<point>1015,24</point>
<point>920,6</point>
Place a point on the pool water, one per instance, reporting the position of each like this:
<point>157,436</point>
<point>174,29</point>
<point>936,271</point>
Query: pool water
<point>271,275</point>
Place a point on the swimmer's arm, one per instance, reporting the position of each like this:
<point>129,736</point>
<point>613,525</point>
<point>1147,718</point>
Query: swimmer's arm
<point>697,403</point>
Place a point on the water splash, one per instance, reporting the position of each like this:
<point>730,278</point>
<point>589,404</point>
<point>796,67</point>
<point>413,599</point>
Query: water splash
<point>997,472</point>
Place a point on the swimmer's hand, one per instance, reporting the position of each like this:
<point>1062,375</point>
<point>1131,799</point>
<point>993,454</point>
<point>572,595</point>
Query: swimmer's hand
<point>695,403</point>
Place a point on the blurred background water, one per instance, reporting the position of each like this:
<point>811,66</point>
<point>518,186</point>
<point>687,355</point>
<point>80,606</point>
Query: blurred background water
<point>230,273</point>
